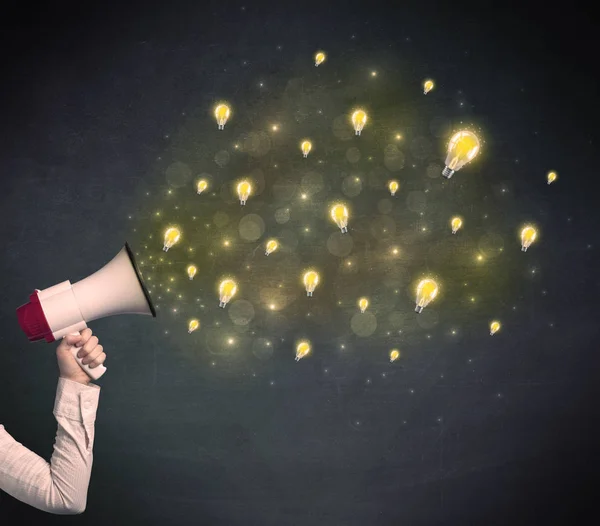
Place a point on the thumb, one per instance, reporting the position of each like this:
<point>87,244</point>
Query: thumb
<point>69,340</point>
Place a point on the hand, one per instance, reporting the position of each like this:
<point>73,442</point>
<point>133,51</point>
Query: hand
<point>89,350</point>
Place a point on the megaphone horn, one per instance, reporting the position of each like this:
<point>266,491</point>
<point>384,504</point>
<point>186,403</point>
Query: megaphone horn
<point>117,288</point>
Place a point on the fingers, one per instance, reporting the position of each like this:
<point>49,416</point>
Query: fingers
<point>95,357</point>
<point>86,334</point>
<point>70,339</point>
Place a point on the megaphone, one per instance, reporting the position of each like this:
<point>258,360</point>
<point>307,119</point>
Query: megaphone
<point>117,288</point>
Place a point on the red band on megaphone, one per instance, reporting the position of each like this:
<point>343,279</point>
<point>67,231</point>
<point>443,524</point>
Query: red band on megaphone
<point>33,320</point>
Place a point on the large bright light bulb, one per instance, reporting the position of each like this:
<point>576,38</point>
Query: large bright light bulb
<point>363,303</point>
<point>302,350</point>
<point>393,186</point>
<point>227,290</point>
<point>339,213</point>
<point>462,148</point>
<point>427,290</point>
<point>394,355</point>
<point>193,325</point>
<point>311,280</point>
<point>201,186</point>
<point>191,271</point>
<point>244,188</point>
<point>222,113</point>
<point>320,58</point>
<point>494,327</point>
<point>456,224</point>
<point>271,246</point>
<point>551,177</point>
<point>306,146</point>
<point>428,85</point>
<point>172,236</point>
<point>528,236</point>
<point>359,119</point>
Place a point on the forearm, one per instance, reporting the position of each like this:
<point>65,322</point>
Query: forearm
<point>59,486</point>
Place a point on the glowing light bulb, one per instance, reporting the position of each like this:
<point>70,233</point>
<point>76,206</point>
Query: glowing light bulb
<point>494,327</point>
<point>271,246</point>
<point>319,58</point>
<point>427,290</point>
<point>359,119</point>
<point>428,85</point>
<point>363,303</point>
<point>222,113</point>
<point>528,236</point>
<point>394,355</point>
<point>306,146</point>
<point>244,188</point>
<point>456,224</point>
<point>191,271</point>
<point>393,186</point>
<point>551,177</point>
<point>227,290</point>
<point>311,280</point>
<point>302,350</point>
<point>201,186</point>
<point>462,148</point>
<point>193,325</point>
<point>172,236</point>
<point>339,213</point>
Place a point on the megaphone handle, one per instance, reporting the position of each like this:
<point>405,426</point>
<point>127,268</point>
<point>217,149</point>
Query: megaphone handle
<point>94,373</point>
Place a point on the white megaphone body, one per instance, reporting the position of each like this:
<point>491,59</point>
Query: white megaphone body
<point>117,288</point>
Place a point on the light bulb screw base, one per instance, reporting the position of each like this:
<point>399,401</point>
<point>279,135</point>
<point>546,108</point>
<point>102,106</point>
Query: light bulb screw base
<point>447,172</point>
<point>418,309</point>
<point>309,294</point>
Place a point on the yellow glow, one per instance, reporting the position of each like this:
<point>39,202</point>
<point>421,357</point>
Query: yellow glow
<point>302,350</point>
<point>319,58</point>
<point>398,136</point>
<point>427,290</point>
<point>339,214</point>
<point>191,271</point>
<point>311,280</point>
<point>551,177</point>
<point>359,119</point>
<point>428,85</point>
<point>494,327</point>
<point>528,236</point>
<point>306,146</point>
<point>456,224</point>
<point>201,186</point>
<point>227,290</point>
<point>479,257</point>
<point>363,303</point>
<point>462,148</point>
<point>271,246</point>
<point>394,355</point>
<point>193,325</point>
<point>275,127</point>
<point>222,113</point>
<point>172,236</point>
<point>244,189</point>
<point>393,185</point>
<point>373,73</point>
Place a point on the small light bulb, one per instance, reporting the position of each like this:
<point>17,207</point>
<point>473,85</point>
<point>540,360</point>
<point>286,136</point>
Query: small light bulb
<point>201,186</point>
<point>311,280</point>
<point>191,271</point>
<point>302,350</point>
<point>494,327</point>
<point>227,290</point>
<point>339,213</point>
<point>306,147</point>
<point>462,148</point>
<point>393,186</point>
<point>427,290</point>
<point>244,188</point>
<point>428,85</point>
<point>222,113</point>
<point>551,177</point>
<point>363,303</point>
<point>271,247</point>
<point>359,119</point>
<point>528,236</point>
<point>193,325</point>
<point>394,355</point>
<point>172,236</point>
<point>319,58</point>
<point>456,224</point>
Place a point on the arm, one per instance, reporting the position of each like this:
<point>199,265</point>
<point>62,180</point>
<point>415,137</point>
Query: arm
<point>61,486</point>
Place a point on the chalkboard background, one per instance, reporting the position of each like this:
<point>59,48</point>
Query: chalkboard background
<point>465,434</point>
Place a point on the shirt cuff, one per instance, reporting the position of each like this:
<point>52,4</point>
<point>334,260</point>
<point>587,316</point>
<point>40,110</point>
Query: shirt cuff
<point>76,401</point>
